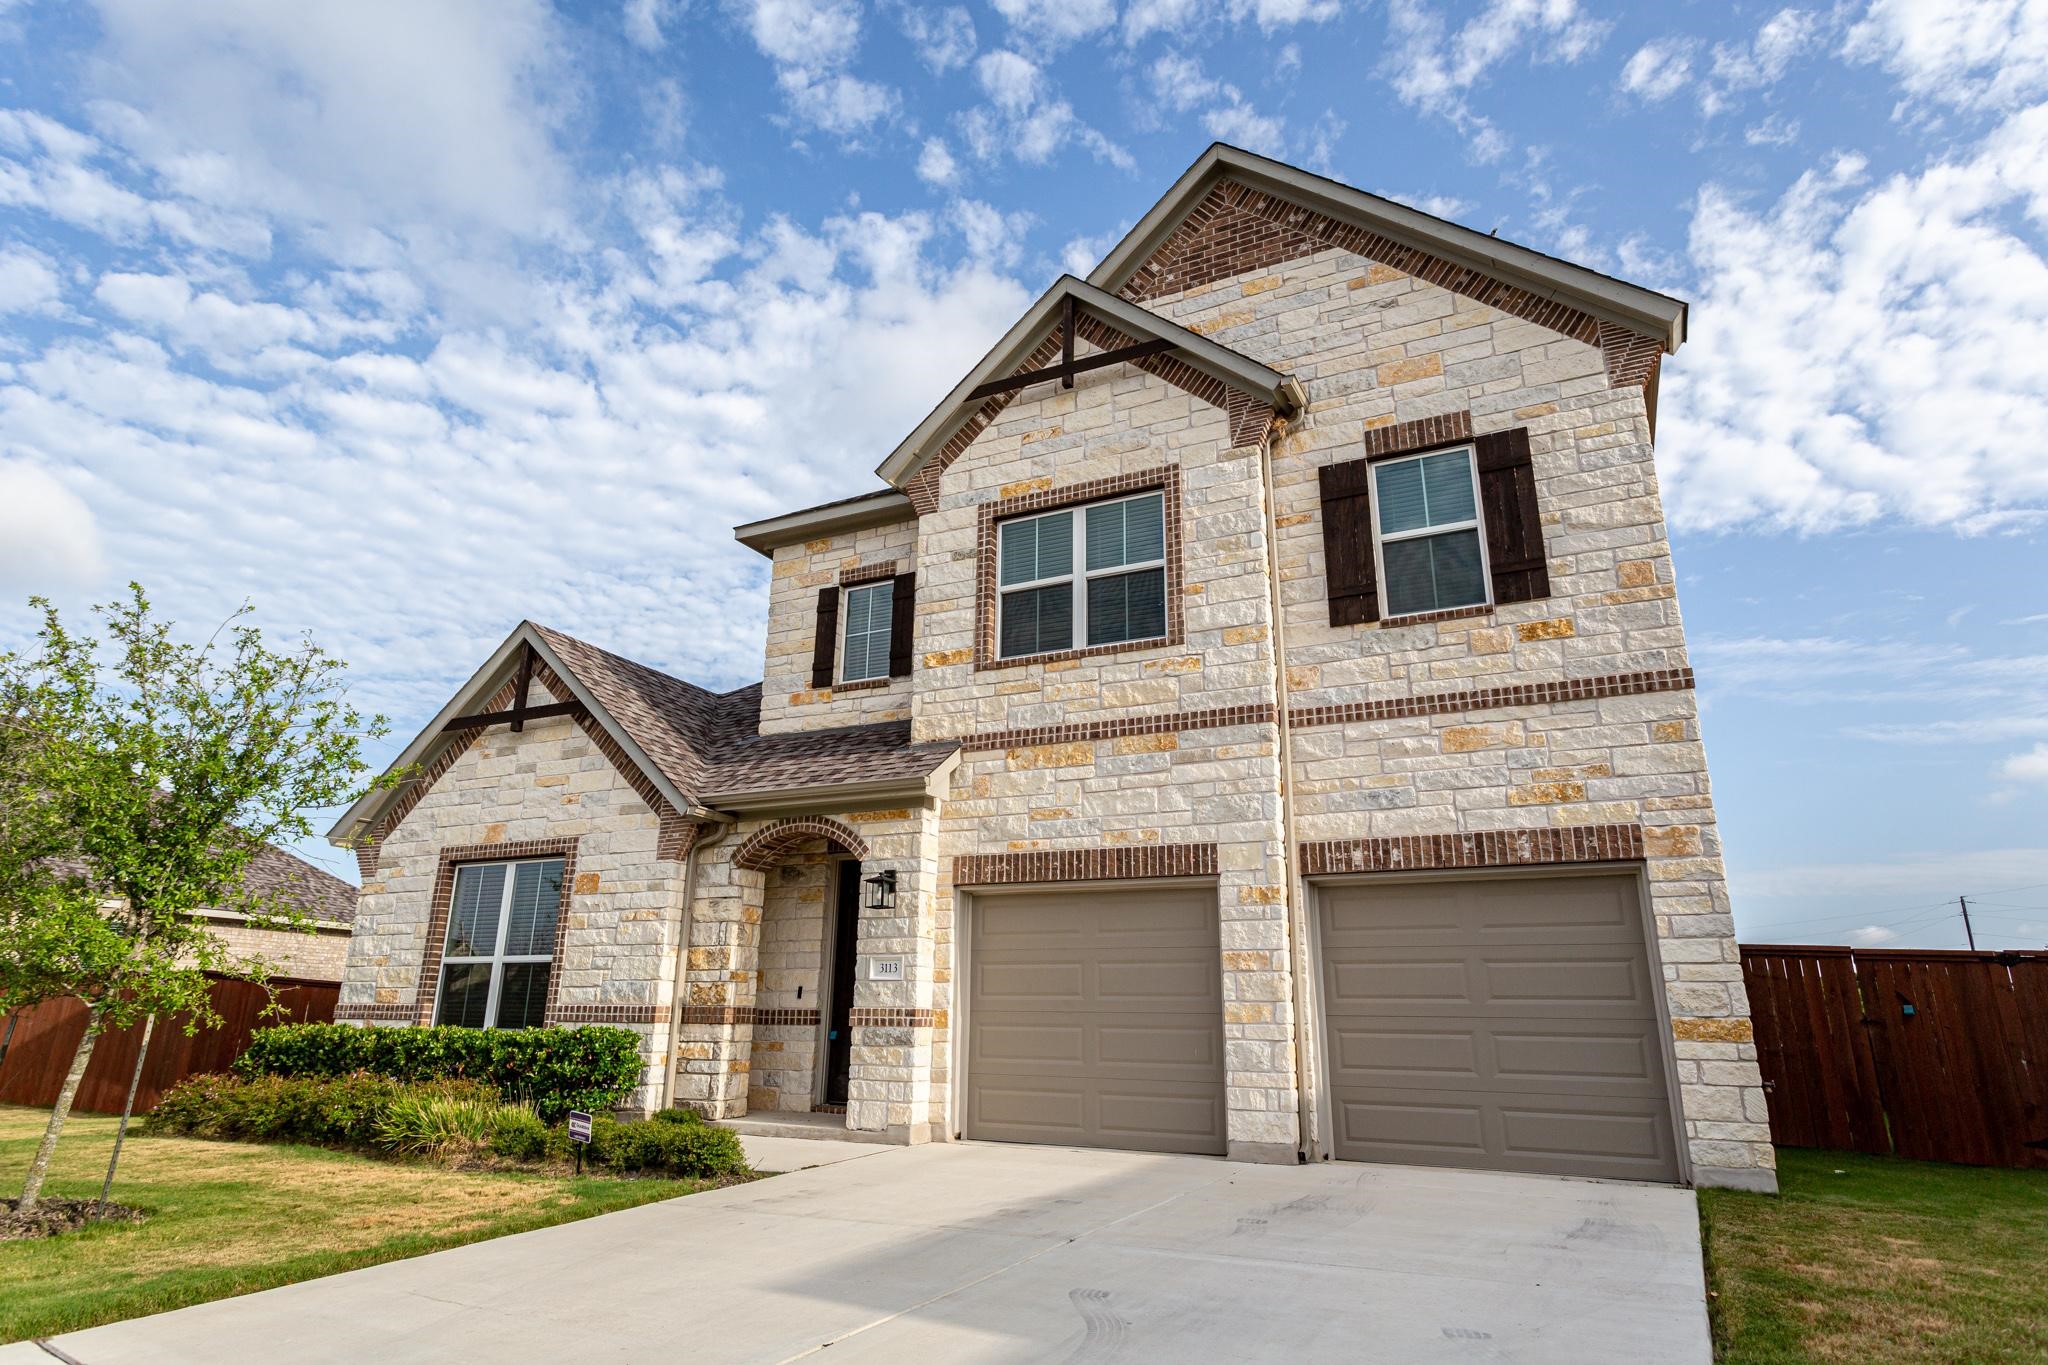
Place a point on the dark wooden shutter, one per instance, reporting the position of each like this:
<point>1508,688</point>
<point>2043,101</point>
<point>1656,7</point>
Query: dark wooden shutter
<point>1514,526</point>
<point>1352,579</point>
<point>827,643</point>
<point>902,617</point>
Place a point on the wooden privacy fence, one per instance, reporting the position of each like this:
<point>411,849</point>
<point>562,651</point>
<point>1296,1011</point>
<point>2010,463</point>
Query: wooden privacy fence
<point>1941,1056</point>
<point>46,1037</point>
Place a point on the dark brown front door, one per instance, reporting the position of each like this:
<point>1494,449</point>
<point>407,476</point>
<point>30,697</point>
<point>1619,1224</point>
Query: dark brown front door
<point>845,929</point>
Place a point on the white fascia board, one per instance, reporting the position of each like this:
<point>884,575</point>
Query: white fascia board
<point>877,509</point>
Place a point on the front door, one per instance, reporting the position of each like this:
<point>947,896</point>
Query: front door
<point>839,1030</point>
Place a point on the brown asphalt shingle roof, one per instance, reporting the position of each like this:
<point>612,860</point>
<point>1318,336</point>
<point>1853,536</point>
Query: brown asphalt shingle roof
<point>708,743</point>
<point>318,893</point>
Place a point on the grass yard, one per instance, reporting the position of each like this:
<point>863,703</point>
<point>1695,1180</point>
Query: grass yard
<point>1888,1260</point>
<point>227,1218</point>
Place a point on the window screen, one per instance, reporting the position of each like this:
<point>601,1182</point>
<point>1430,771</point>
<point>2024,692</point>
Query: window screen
<point>870,612</point>
<point>1427,523</point>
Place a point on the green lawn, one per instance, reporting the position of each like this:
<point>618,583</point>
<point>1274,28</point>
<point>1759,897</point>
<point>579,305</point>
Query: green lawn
<point>1868,1258</point>
<point>227,1218</point>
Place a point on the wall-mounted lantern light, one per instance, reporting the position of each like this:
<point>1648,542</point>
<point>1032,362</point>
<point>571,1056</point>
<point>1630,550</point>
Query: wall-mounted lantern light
<point>881,891</point>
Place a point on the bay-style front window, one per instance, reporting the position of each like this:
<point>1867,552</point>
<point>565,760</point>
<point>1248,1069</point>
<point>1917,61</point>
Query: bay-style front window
<point>501,944</point>
<point>1082,576</point>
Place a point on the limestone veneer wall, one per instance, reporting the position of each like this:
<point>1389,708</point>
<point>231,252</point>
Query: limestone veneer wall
<point>788,701</point>
<point>320,955</point>
<point>796,901</point>
<point>623,912</point>
<point>1374,347</point>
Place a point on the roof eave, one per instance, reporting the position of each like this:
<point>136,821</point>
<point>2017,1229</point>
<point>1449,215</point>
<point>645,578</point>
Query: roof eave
<point>926,790</point>
<point>1612,300</point>
<point>881,509</point>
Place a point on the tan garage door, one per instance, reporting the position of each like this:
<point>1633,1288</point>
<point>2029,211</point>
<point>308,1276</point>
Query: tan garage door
<point>1504,1023</point>
<point>1095,1019</point>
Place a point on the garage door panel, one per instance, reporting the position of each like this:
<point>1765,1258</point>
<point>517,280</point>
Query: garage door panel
<point>1128,1051</point>
<point>1487,1040</point>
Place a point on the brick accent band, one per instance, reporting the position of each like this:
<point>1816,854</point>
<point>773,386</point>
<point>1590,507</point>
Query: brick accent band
<point>1089,731</point>
<point>726,1015</point>
<point>879,1017</point>
<point>1491,698</point>
<point>374,1014</point>
<point>1405,438</point>
<point>1165,480</point>
<point>1491,848</point>
<point>1084,864</point>
<point>608,1014</point>
<point>1421,618</point>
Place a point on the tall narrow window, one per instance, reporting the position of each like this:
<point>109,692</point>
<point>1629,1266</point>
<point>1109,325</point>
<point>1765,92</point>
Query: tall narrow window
<point>501,944</point>
<point>869,614</point>
<point>1426,530</point>
<point>1095,575</point>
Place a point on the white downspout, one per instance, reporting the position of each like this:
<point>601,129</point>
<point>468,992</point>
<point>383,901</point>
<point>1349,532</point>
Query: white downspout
<point>1297,936</point>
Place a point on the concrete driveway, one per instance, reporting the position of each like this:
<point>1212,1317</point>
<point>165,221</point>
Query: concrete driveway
<point>995,1253</point>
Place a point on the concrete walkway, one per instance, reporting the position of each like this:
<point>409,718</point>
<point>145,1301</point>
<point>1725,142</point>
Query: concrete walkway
<point>992,1253</point>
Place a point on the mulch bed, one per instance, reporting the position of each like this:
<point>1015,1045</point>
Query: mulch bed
<point>53,1215</point>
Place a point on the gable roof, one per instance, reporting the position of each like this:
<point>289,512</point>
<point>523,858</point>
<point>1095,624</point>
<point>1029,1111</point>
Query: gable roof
<point>1233,368</point>
<point>316,892</point>
<point>700,750</point>
<point>1603,296</point>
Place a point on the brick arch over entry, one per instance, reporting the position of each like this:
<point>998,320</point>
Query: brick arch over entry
<point>764,848</point>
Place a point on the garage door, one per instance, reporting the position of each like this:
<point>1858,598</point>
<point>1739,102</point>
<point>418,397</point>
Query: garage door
<point>1095,1019</point>
<point>1504,1023</point>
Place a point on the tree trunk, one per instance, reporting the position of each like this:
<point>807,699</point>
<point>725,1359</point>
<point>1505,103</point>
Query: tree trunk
<point>32,1188</point>
<point>127,1108</point>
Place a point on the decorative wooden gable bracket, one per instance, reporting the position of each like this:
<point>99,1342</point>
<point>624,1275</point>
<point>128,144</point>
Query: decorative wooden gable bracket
<point>1068,366</point>
<point>519,713</point>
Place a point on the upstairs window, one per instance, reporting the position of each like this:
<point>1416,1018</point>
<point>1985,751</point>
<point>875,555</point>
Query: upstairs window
<point>500,947</point>
<point>1432,556</point>
<point>870,624</point>
<point>1082,576</point>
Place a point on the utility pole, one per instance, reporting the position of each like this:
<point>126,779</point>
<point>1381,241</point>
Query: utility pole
<point>1968,933</point>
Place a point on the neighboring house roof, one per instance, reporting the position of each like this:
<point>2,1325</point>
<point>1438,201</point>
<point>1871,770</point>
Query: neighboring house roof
<point>699,749</point>
<point>1603,296</point>
<point>315,892</point>
<point>1233,368</point>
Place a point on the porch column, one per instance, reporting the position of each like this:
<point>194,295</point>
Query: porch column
<point>889,1084</point>
<point>716,1029</point>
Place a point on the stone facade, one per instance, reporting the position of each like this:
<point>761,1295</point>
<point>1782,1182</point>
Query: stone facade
<point>1257,746</point>
<point>319,954</point>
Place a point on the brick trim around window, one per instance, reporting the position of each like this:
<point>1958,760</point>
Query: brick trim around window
<point>458,856</point>
<point>1084,864</point>
<point>1165,479</point>
<point>867,573</point>
<point>1405,438</point>
<point>1491,848</point>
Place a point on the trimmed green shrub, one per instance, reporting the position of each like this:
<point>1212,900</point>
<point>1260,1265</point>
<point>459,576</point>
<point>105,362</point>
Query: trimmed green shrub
<point>445,1125</point>
<point>520,1135</point>
<point>552,1069</point>
<point>688,1118</point>
<point>327,1111</point>
<point>666,1146</point>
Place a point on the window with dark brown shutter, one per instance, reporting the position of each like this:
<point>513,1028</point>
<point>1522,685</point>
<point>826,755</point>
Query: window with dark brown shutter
<point>1514,526</point>
<point>903,607</point>
<point>827,638</point>
<point>1348,563</point>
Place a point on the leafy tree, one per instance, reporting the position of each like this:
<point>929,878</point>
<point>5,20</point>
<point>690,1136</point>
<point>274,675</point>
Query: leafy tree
<point>147,773</point>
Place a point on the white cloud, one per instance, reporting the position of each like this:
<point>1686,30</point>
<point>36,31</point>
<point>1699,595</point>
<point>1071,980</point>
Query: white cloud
<point>1010,79</point>
<point>49,541</point>
<point>1872,936</point>
<point>1024,117</point>
<point>1180,85</point>
<point>811,43</point>
<point>1057,22</point>
<point>28,284</point>
<point>643,21</point>
<point>1658,70</point>
<point>1763,61</point>
<point>1186,18</point>
<point>1986,54</point>
<point>992,236</point>
<point>1438,205</point>
<point>1864,352</point>
<point>2031,766</point>
<point>943,38</point>
<point>1774,131</point>
<point>935,164</point>
<point>1435,70</point>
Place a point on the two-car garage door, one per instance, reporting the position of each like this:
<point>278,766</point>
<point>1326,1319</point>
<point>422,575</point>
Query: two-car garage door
<point>1506,1023</point>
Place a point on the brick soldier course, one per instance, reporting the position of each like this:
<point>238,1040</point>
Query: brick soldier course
<point>1279,731</point>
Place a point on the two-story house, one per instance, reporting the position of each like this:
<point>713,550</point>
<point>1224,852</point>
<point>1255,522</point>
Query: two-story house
<point>1252,717</point>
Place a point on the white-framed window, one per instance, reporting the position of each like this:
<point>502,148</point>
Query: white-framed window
<point>1426,534</point>
<point>1082,576</point>
<point>870,612</point>
<point>501,944</point>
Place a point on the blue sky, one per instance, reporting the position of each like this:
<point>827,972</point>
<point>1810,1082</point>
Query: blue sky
<point>407,321</point>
